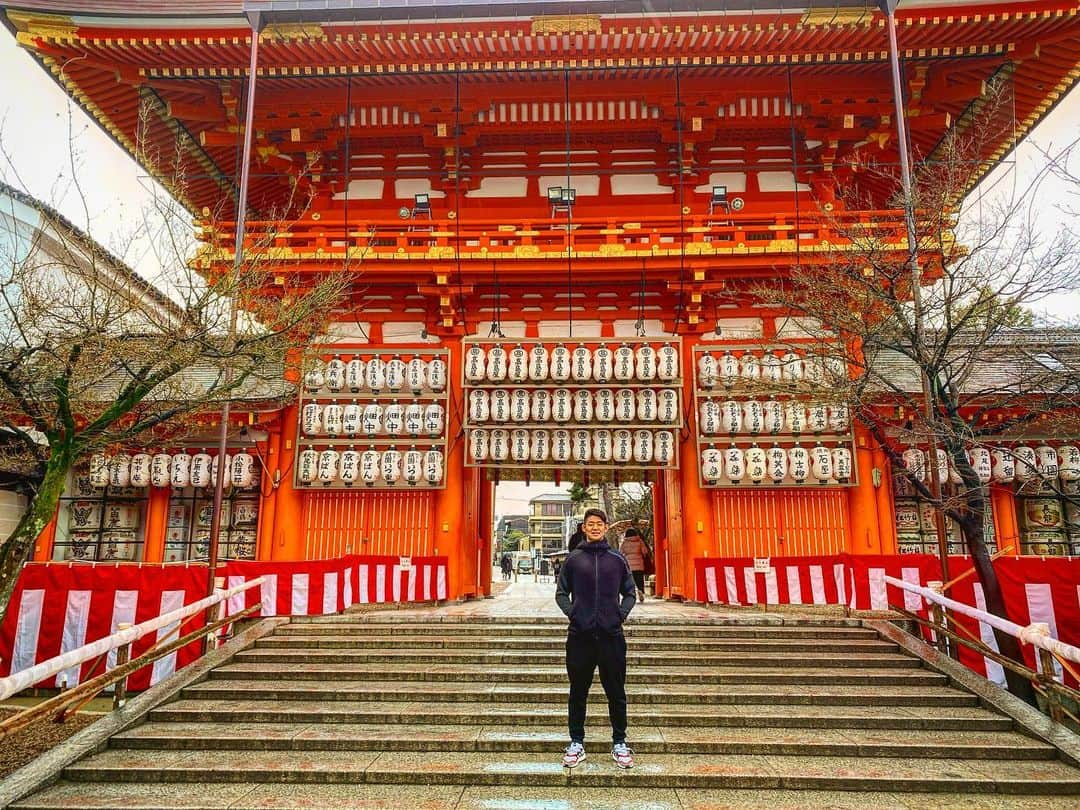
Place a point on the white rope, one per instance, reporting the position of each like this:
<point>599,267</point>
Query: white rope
<point>1037,634</point>
<point>26,678</point>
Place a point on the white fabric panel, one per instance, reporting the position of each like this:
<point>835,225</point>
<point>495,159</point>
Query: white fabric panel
<point>364,597</point>
<point>712,592</point>
<point>124,603</point>
<point>839,575</point>
<point>165,667</point>
<point>395,583</point>
<point>817,585</point>
<point>994,671</point>
<point>329,594</point>
<point>301,583</point>
<point>411,594</point>
<point>772,591</point>
<point>429,594</point>
<point>731,585</point>
<point>440,587</point>
<point>74,635</point>
<point>912,601</point>
<point>268,595</point>
<point>380,583</point>
<point>236,602</point>
<point>751,586</point>
<point>27,628</point>
<point>1041,609</point>
<point>794,585</point>
<point>347,592</point>
<point>879,599</point>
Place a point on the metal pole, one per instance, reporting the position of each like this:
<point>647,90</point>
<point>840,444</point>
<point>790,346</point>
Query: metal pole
<point>238,259</point>
<point>889,7</point>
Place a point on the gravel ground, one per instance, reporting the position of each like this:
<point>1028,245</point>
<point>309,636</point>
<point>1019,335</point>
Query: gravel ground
<point>19,748</point>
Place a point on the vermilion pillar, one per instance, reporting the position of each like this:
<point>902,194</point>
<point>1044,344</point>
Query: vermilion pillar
<point>157,519</point>
<point>862,503</point>
<point>660,533</point>
<point>268,506</point>
<point>696,513</point>
<point>287,537</point>
<point>886,510</point>
<point>449,527</point>
<point>487,518</point>
<point>1006,525</point>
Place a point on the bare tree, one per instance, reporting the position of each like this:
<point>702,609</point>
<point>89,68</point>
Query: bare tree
<point>958,371</point>
<point>93,358</point>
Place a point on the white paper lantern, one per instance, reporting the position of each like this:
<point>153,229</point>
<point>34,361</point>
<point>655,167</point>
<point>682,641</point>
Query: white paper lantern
<point>479,409</point>
<point>954,474</point>
<point>1046,461</point>
<point>434,419</point>
<point>519,444</point>
<point>375,374</point>
<point>842,464</point>
<point>836,372</point>
<point>729,369</point>
<point>943,465</point>
<point>645,363</point>
<point>496,364</point>
<point>663,447</point>
<point>625,405</point>
<point>646,405</point>
<point>307,465</point>
<point>643,446</point>
<point>416,375</point>
<point>315,378</point>
<point>560,363</point>
<point>734,464</point>
<point>351,416</point>
<point>622,446</point>
<point>541,406</point>
<point>757,464</point>
<point>623,369</point>
<point>583,410</point>
<point>181,470</point>
<point>731,416</point>
<point>1068,462</point>
<point>753,416</point>
<point>915,463</point>
<point>601,445</point>
<point>355,374</point>
<point>795,416</point>
<point>538,363</point>
<point>161,470</point>
<point>500,405</point>
<point>328,467</point>
<point>562,405</point>
<point>520,405</point>
<point>839,417</point>
<point>541,446</point>
<point>214,469</point>
<point>350,466</point>
<point>750,367</point>
<point>773,416</point>
<point>667,363</point>
<point>560,445</point>
<point>821,467</point>
<point>479,446</point>
<point>667,408</point>
<point>335,374</point>
<point>412,466</point>
<point>791,367</point>
<point>99,471</point>
<point>333,419</point>
<point>475,364</point>
<point>518,364</point>
<point>395,374</point>
<point>601,363</point>
<point>581,446</point>
<point>433,466</point>
<point>771,368</point>
<point>242,472</point>
<point>712,465</point>
<point>394,419</point>
<point>604,405</point>
<point>777,461</point>
<point>120,471</point>
<point>311,419</point>
<point>581,364</point>
<point>390,466</point>
<point>814,369</point>
<point>201,470</point>
<point>798,463</point>
<point>981,463</point>
<point>499,444</point>
<point>817,417</point>
<point>708,371</point>
<point>369,466</point>
<point>709,417</point>
<point>436,374</point>
<point>371,420</point>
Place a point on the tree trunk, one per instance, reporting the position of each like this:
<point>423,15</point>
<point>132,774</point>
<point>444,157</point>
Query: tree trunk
<point>17,548</point>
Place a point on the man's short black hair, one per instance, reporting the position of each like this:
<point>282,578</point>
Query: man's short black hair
<point>631,532</point>
<point>597,513</point>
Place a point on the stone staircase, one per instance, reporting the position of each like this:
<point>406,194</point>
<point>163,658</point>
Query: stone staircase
<point>395,711</point>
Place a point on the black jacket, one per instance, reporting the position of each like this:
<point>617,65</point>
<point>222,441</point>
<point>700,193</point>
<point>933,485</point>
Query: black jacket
<point>596,590</point>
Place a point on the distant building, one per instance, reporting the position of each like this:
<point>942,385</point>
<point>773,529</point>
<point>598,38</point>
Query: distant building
<point>547,521</point>
<point>509,524</point>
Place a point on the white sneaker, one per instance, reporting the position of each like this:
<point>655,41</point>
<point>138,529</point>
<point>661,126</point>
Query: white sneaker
<point>574,755</point>
<point>623,755</point>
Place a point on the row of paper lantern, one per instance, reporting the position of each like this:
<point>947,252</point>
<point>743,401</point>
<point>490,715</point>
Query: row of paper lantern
<point>728,370</point>
<point>771,416</point>
<point>1001,464</point>
<point>776,464</point>
<point>370,467</point>
<point>395,419</point>
<point>376,374</point>
<point>580,364</point>
<point>170,470</point>
<point>582,405</point>
<point>601,446</point>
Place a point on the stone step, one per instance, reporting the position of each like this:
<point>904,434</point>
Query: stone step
<point>663,715</point>
<point>343,672</point>
<point>484,693</point>
<point>558,657</point>
<point>646,740</point>
<point>701,618</point>
<point>1044,777</point>
<point>526,644</point>
<point>632,629</point>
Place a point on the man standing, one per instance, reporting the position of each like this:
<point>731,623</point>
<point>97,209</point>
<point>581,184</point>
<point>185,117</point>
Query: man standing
<point>596,592</point>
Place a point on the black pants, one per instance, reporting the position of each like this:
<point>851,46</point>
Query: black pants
<point>639,580</point>
<point>584,653</point>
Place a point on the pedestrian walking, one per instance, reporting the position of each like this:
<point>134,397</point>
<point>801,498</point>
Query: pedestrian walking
<point>637,555</point>
<point>596,592</point>
<point>507,566</point>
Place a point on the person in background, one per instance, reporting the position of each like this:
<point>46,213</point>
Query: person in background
<point>577,538</point>
<point>506,566</point>
<point>634,549</point>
